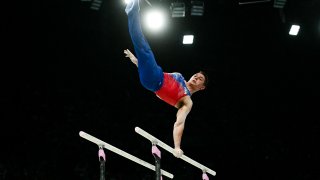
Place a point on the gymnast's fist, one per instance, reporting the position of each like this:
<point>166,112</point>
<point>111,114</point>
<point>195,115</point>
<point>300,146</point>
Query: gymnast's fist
<point>177,152</point>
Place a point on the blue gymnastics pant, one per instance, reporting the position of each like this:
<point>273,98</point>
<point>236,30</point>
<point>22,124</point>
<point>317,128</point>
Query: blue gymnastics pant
<point>150,74</point>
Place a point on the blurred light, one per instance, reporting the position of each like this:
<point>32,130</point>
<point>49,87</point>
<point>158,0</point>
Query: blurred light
<point>253,2</point>
<point>294,30</point>
<point>96,4</point>
<point>197,8</point>
<point>127,1</point>
<point>187,39</point>
<point>279,3</point>
<point>178,9</point>
<point>155,19</point>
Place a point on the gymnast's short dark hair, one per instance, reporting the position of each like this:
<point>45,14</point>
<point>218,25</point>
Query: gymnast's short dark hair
<point>206,77</point>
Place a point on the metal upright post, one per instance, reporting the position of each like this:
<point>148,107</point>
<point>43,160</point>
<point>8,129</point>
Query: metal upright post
<point>102,159</point>
<point>157,157</point>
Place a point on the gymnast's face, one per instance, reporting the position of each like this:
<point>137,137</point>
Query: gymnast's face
<point>197,81</point>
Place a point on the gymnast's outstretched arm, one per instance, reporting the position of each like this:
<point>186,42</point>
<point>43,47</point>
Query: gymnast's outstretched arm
<point>178,127</point>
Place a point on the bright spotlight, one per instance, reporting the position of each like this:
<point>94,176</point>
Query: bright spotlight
<point>187,39</point>
<point>294,30</point>
<point>154,20</point>
<point>127,1</point>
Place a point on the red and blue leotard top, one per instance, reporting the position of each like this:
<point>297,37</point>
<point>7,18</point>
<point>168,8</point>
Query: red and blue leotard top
<point>173,88</point>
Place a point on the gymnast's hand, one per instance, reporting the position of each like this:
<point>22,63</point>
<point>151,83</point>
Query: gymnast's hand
<point>131,56</point>
<point>177,152</point>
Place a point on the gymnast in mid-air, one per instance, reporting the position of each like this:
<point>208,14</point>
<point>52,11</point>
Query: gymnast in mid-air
<point>169,87</point>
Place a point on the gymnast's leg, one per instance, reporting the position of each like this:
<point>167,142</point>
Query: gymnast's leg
<point>150,74</point>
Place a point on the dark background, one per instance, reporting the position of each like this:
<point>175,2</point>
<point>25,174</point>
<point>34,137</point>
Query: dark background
<point>258,119</point>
